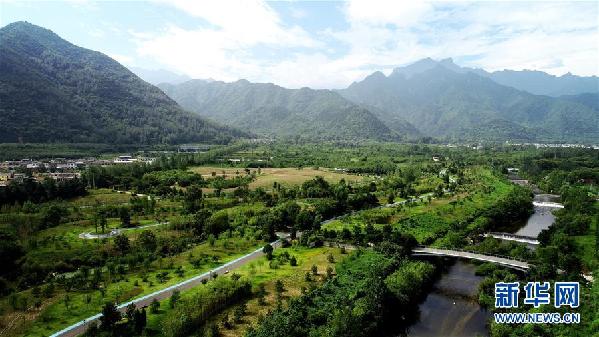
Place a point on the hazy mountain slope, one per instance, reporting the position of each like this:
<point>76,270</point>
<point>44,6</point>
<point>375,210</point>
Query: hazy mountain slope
<point>531,81</point>
<point>442,102</point>
<point>275,111</point>
<point>541,83</point>
<point>589,99</point>
<point>54,91</point>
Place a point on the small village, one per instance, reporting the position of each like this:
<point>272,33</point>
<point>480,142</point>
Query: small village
<point>59,169</point>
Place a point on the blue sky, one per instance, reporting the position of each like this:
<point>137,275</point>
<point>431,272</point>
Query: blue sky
<point>322,44</point>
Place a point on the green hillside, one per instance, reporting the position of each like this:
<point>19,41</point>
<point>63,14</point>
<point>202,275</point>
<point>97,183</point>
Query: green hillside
<point>54,91</point>
<point>274,111</point>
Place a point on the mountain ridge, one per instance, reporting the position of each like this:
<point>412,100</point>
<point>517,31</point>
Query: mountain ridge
<point>460,104</point>
<point>54,91</point>
<point>272,110</point>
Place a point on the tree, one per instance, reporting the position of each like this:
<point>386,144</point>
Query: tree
<point>154,306</point>
<point>211,331</point>
<point>122,243</point>
<point>110,316</point>
<point>329,272</point>
<point>193,199</point>
<point>147,240</point>
<point>10,251</point>
<point>139,321</point>
<point>314,269</point>
<point>268,251</point>
<point>175,298</point>
<point>103,222</point>
<point>293,261</point>
<point>125,216</point>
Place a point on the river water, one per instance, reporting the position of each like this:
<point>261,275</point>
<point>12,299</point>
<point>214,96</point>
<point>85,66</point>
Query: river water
<point>542,217</point>
<point>451,308</point>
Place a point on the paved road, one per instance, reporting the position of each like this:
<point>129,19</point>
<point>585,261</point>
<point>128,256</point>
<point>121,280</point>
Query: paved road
<point>81,326</point>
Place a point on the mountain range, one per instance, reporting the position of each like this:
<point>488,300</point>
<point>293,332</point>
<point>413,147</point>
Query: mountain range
<point>54,91</point>
<point>274,111</point>
<point>444,100</point>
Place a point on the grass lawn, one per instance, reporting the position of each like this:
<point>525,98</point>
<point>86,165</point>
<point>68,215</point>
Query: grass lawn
<point>284,176</point>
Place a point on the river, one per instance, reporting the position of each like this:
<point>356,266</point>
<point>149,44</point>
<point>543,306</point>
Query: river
<point>451,308</point>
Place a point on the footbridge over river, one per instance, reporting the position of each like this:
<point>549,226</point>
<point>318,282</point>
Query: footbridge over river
<point>501,260</point>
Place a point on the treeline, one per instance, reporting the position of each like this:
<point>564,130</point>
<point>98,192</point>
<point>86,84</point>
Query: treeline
<point>131,175</point>
<point>365,298</point>
<point>47,190</point>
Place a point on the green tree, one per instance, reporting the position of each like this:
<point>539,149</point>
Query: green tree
<point>154,306</point>
<point>110,316</point>
<point>175,297</point>
<point>268,251</point>
<point>125,216</point>
<point>122,243</point>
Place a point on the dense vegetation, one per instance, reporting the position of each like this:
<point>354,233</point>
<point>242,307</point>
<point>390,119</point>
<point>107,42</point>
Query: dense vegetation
<point>33,191</point>
<point>54,91</point>
<point>359,301</point>
<point>203,210</point>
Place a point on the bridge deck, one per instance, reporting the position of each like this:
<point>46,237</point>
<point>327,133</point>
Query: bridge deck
<point>504,261</point>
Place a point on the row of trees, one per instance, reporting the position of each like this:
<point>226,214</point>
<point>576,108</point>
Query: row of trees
<point>49,189</point>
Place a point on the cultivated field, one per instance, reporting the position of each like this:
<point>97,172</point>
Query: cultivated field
<point>285,176</point>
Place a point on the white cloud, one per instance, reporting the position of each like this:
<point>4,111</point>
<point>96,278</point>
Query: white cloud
<point>549,36</point>
<point>223,49</point>
<point>554,37</point>
<point>383,12</point>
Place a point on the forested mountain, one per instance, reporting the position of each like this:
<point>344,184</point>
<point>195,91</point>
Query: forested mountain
<point>275,111</point>
<point>54,91</point>
<point>444,100</point>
